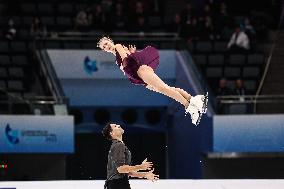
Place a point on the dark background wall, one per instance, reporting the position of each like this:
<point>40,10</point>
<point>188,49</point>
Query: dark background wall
<point>33,167</point>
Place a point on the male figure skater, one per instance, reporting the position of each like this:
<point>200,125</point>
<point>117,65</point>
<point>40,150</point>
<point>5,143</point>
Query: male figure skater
<point>119,161</point>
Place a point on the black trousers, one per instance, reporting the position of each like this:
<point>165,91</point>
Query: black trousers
<point>122,183</point>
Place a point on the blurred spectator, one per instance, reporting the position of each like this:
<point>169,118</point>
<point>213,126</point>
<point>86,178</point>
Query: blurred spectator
<point>222,88</point>
<point>99,18</point>
<point>214,5</point>
<point>141,25</point>
<point>151,7</point>
<point>207,11</point>
<point>119,19</point>
<point>140,5</point>
<point>82,22</point>
<point>260,28</point>
<point>139,10</point>
<point>11,31</point>
<point>187,31</point>
<point>90,15</point>
<point>187,14</point>
<point>239,88</point>
<point>157,7</point>
<point>175,25</point>
<point>239,41</point>
<point>190,30</point>
<point>241,92</point>
<point>37,28</point>
<point>248,28</point>
<point>107,5</point>
<point>206,28</point>
<point>221,20</point>
<point>136,15</point>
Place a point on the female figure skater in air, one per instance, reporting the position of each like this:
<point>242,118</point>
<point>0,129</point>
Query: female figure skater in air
<point>140,66</point>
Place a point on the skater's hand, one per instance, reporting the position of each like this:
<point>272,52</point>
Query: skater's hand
<point>126,50</point>
<point>132,48</point>
<point>146,165</point>
<point>151,176</point>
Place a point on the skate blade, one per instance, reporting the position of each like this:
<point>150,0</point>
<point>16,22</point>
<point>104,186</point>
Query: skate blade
<point>205,104</point>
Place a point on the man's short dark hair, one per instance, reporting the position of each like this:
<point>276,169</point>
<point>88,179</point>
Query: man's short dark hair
<point>106,131</point>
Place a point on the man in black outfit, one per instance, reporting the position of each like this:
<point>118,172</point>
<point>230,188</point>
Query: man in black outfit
<point>119,161</point>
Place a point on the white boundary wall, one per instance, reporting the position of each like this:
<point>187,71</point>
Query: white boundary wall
<point>144,184</point>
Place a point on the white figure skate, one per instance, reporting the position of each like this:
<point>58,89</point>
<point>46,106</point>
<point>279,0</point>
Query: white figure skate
<point>197,107</point>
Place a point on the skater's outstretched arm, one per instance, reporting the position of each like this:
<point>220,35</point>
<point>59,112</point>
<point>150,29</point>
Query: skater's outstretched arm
<point>148,175</point>
<point>145,165</point>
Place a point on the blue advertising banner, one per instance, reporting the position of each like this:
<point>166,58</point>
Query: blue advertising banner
<point>91,78</point>
<point>97,64</point>
<point>248,133</point>
<point>36,134</point>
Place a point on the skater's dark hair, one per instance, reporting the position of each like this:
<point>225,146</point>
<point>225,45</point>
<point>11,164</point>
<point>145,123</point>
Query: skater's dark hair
<point>106,131</point>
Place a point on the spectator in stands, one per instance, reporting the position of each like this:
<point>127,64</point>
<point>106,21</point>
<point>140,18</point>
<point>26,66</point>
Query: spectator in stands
<point>37,28</point>
<point>206,28</point>
<point>223,90</point>
<point>187,14</point>
<point>190,30</point>
<point>207,11</point>
<point>239,88</point>
<point>157,7</point>
<point>90,15</point>
<point>99,18</point>
<point>119,19</point>
<point>82,21</point>
<point>11,31</point>
<point>139,11</point>
<point>175,25</point>
<point>140,5</point>
<point>107,5</point>
<point>248,28</point>
<point>187,31</point>
<point>214,5</point>
<point>239,42</point>
<point>151,7</point>
<point>221,21</point>
<point>141,25</point>
<point>240,91</point>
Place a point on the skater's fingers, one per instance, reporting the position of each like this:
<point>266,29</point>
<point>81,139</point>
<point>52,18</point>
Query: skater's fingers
<point>145,160</point>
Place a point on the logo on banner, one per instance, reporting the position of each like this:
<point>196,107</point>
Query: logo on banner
<point>12,135</point>
<point>90,66</point>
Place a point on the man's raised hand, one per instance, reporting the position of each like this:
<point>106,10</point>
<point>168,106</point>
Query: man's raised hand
<point>146,165</point>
